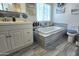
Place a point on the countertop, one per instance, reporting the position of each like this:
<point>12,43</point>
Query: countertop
<point>15,23</point>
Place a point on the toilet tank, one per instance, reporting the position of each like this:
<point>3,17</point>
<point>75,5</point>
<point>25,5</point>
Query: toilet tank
<point>73,27</point>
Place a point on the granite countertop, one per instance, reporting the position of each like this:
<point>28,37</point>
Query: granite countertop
<point>15,23</point>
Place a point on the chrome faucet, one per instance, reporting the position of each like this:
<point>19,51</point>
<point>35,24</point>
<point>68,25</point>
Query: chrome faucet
<point>4,19</point>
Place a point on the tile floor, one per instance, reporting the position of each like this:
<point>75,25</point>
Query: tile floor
<point>64,49</point>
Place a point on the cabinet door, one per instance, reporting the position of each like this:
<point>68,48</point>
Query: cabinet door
<point>27,36</point>
<point>16,39</point>
<point>3,43</point>
<point>21,37</point>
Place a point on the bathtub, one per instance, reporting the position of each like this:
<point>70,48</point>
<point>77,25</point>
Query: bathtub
<point>49,37</point>
<point>47,31</point>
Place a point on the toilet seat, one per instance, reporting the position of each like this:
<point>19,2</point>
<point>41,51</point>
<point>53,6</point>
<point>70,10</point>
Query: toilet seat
<point>70,34</point>
<point>72,31</point>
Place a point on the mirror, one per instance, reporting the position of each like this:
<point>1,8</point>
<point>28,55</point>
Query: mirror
<point>15,7</point>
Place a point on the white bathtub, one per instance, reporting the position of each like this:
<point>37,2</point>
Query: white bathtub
<point>46,31</point>
<point>49,37</point>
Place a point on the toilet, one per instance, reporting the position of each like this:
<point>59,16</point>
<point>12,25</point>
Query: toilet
<point>71,32</point>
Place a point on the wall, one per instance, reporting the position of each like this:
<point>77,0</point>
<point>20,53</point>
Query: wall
<point>67,17</point>
<point>31,11</point>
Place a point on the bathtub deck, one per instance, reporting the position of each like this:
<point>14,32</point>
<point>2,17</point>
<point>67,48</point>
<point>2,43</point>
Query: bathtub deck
<point>64,49</point>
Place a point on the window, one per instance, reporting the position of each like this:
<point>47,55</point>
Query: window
<point>1,7</point>
<point>43,12</point>
<point>5,6</point>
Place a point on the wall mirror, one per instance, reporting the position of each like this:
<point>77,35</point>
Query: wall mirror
<point>15,7</point>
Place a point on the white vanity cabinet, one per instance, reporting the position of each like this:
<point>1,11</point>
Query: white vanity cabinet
<point>13,37</point>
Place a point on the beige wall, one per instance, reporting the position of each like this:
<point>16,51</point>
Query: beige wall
<point>23,7</point>
<point>17,7</point>
<point>31,12</point>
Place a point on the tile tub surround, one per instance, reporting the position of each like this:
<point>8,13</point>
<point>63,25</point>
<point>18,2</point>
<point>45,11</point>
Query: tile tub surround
<point>51,41</point>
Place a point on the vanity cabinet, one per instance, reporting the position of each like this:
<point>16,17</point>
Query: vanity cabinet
<point>16,37</point>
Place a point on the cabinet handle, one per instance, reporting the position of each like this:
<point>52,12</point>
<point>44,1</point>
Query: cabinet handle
<point>8,36</point>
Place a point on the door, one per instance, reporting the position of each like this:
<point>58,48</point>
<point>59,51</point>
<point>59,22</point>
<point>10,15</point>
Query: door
<point>27,36</point>
<point>16,39</point>
<point>3,42</point>
<point>20,38</point>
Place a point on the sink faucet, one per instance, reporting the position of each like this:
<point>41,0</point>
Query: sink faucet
<point>4,19</point>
